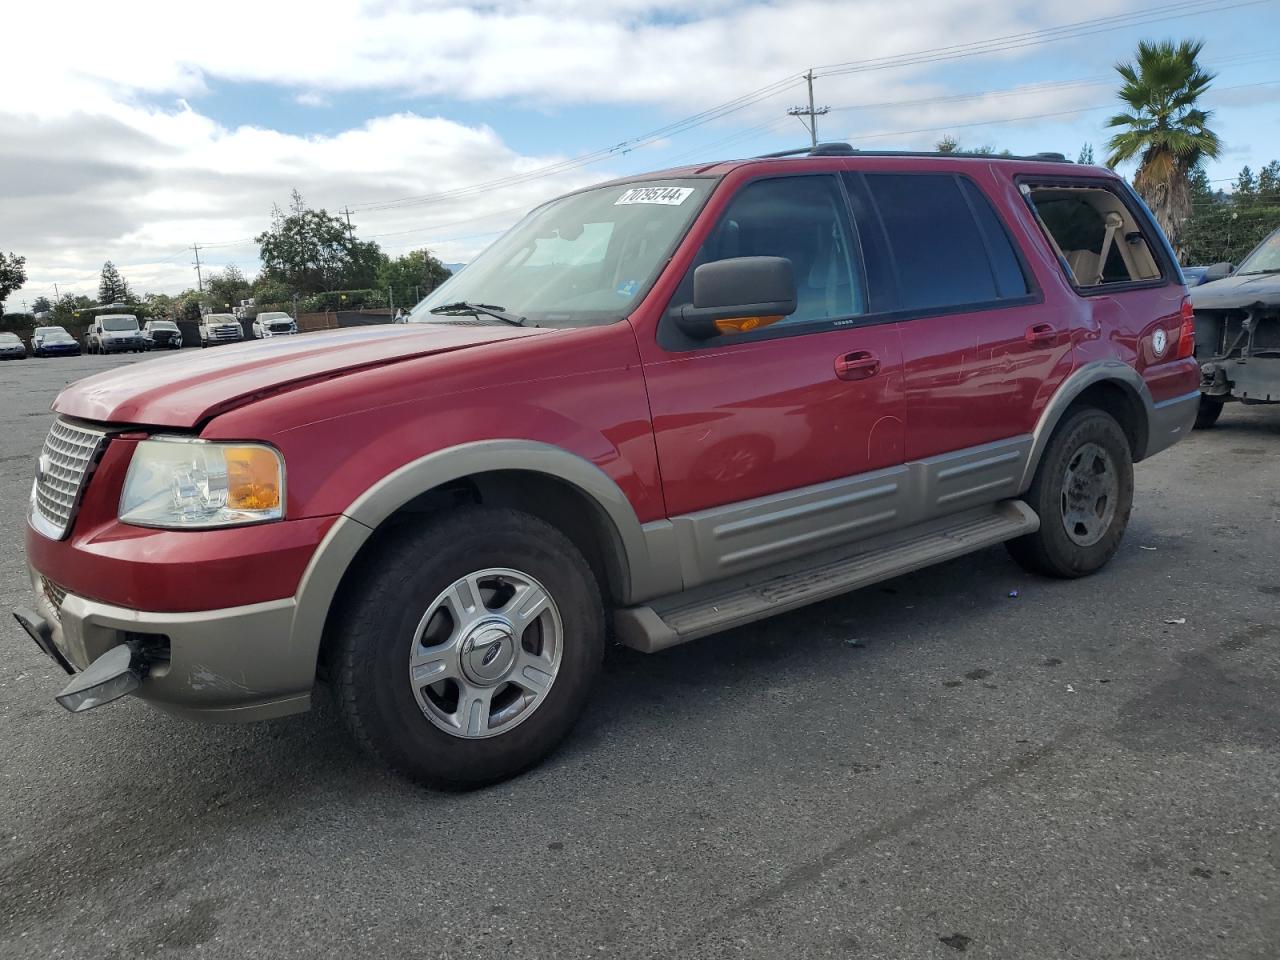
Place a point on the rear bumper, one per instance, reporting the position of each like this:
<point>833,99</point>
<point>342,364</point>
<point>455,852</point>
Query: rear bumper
<point>231,665</point>
<point>1171,420</point>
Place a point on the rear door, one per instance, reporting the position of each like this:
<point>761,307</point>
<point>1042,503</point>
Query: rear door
<point>776,442</point>
<point>981,349</point>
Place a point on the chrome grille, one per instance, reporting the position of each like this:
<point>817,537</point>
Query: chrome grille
<point>69,453</point>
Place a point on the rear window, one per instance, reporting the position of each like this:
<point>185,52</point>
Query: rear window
<point>948,246</point>
<point>1098,239</point>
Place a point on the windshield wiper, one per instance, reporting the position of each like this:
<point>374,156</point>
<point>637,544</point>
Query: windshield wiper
<point>477,309</point>
<point>1256,273</point>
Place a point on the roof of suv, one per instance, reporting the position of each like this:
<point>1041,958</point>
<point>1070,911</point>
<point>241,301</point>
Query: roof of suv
<point>831,156</point>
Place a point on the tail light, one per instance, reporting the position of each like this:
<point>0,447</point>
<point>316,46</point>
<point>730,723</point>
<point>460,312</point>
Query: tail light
<point>1187,335</point>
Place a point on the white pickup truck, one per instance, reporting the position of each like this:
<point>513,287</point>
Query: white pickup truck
<point>274,323</point>
<point>220,328</point>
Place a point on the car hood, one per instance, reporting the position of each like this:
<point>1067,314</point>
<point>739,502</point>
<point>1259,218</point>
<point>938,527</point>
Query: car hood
<point>1239,291</point>
<point>185,390</point>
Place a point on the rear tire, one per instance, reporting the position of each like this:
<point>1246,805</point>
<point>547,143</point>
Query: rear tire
<point>1208,413</point>
<point>409,610</point>
<point>1083,493</point>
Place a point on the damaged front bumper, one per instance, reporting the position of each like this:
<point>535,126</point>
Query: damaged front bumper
<point>229,665</point>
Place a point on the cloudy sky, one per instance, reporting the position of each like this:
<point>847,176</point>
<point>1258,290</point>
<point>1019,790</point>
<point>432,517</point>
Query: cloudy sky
<point>131,130</point>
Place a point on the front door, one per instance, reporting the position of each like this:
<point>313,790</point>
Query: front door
<point>779,441</point>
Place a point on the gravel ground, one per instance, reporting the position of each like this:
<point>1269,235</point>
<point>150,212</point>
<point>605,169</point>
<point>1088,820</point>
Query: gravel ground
<point>919,769</point>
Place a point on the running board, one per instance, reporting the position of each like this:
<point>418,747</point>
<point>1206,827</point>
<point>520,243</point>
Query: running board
<point>682,617</point>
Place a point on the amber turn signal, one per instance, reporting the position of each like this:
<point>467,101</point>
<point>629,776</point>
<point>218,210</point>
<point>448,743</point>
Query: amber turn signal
<point>745,324</point>
<point>253,478</point>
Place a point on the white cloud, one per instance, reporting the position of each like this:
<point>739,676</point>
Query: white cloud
<point>91,168</point>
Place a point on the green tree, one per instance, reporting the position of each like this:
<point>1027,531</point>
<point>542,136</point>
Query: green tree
<point>227,289</point>
<point>159,306</point>
<point>948,144</point>
<point>412,276</point>
<point>112,287</point>
<point>1164,128</point>
<point>1226,226</point>
<point>40,305</point>
<point>1086,154</point>
<point>13,274</point>
<point>68,306</point>
<point>268,293</point>
<point>310,251</point>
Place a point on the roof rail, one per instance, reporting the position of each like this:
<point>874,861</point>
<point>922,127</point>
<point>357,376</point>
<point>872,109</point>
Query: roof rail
<point>833,148</point>
<point>839,149</point>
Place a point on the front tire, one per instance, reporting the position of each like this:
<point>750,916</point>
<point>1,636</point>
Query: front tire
<point>1208,413</point>
<point>1083,494</point>
<point>468,646</point>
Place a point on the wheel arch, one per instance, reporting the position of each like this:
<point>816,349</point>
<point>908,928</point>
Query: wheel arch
<point>1108,385</point>
<point>549,482</point>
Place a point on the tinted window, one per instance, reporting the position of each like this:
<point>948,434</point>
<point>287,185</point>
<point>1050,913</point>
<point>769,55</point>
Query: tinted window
<point>1010,280</point>
<point>804,220</point>
<point>937,247</point>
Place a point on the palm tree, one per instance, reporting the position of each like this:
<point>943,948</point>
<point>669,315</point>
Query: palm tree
<point>1164,128</point>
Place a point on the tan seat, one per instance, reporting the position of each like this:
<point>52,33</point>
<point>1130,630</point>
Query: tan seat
<point>1085,266</point>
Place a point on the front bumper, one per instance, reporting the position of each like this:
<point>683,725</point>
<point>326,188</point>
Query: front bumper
<point>234,664</point>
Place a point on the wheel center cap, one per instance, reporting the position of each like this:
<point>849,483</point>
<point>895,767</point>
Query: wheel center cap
<point>488,652</point>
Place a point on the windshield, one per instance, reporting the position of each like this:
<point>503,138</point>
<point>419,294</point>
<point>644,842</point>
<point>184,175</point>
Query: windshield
<point>220,318</point>
<point>53,333</point>
<point>9,338</point>
<point>118,324</point>
<point>1265,259</point>
<point>163,325</point>
<point>273,316</point>
<point>584,259</point>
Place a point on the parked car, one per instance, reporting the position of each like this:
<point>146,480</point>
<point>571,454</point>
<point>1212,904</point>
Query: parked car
<point>115,333</point>
<point>220,328</point>
<point>162,335</point>
<point>1237,313</point>
<point>11,347</point>
<point>1194,276</point>
<point>53,342</point>
<point>674,403</point>
<point>273,324</point>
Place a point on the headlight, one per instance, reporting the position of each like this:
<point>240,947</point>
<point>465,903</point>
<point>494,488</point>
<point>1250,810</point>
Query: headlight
<point>192,484</point>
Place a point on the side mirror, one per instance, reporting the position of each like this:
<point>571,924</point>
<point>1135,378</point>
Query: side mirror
<point>751,291</point>
<point>1218,271</point>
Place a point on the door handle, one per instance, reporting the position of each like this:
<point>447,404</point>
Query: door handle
<point>1041,335</point>
<point>858,365</point>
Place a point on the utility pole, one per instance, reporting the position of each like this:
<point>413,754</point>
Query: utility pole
<point>199,277</point>
<point>812,113</point>
<point>56,295</point>
<point>350,232</point>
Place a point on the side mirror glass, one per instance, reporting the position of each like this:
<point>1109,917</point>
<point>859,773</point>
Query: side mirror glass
<point>737,295</point>
<point>1218,271</point>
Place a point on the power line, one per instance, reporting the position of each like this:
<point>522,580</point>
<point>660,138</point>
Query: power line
<point>1070,31</point>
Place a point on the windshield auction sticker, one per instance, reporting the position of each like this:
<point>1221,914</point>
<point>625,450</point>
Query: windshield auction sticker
<point>670,196</point>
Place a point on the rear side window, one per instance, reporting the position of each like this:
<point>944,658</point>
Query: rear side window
<point>949,249</point>
<point>1097,237</point>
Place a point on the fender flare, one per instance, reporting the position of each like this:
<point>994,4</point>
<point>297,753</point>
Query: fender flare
<point>320,582</point>
<point>1115,372</point>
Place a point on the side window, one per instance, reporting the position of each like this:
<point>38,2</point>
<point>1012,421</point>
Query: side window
<point>1097,237</point>
<point>944,258</point>
<point>803,219</point>
<point>1011,281</point>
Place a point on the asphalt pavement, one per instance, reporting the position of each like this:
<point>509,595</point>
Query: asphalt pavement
<point>929,767</point>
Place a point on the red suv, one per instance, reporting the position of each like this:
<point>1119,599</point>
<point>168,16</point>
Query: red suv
<point>657,408</point>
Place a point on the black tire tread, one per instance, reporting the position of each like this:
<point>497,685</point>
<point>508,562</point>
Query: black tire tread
<point>354,652</point>
<point>1048,552</point>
